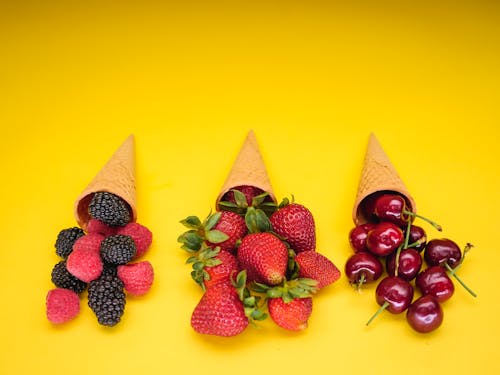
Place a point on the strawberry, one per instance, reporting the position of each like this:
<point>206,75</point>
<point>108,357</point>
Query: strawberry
<point>233,225</point>
<point>248,191</point>
<point>223,229</point>
<point>291,315</point>
<point>316,266</point>
<point>212,266</point>
<point>223,272</point>
<point>264,256</point>
<point>295,224</point>
<point>240,198</point>
<point>219,312</point>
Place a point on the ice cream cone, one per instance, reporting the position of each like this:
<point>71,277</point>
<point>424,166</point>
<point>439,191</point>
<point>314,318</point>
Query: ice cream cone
<point>248,169</point>
<point>378,175</point>
<point>117,176</point>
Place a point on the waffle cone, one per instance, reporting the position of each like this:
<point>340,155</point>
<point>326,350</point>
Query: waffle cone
<point>378,175</point>
<point>248,169</point>
<point>117,176</point>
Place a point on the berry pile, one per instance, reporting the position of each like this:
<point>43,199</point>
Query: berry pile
<point>101,260</point>
<point>252,259</point>
<point>411,261</point>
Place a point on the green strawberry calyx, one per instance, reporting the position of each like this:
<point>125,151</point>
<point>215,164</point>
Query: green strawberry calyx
<point>288,290</point>
<point>241,206</point>
<point>207,257</point>
<point>254,305</point>
<point>201,231</point>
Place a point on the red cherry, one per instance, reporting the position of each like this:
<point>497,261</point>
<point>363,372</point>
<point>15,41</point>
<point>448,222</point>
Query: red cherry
<point>439,251</point>
<point>357,236</point>
<point>425,314</point>
<point>409,264</point>
<point>362,268</point>
<point>417,238</point>
<point>384,238</point>
<point>392,208</point>
<point>367,207</point>
<point>435,282</point>
<point>394,295</point>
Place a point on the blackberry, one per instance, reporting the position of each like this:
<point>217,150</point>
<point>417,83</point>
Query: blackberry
<point>118,249</point>
<point>63,279</point>
<point>110,209</point>
<point>106,297</point>
<point>66,239</point>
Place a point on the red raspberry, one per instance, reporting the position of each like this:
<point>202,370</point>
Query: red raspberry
<point>137,278</point>
<point>141,235</point>
<point>96,226</point>
<point>89,242</point>
<point>85,261</point>
<point>62,305</point>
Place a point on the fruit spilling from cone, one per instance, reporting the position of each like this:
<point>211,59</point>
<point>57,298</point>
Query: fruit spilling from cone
<point>385,233</point>
<point>104,254</point>
<point>254,258</point>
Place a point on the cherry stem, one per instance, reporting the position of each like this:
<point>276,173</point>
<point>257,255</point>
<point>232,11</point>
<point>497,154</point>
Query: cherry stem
<point>398,253</point>
<point>381,308</point>
<point>433,223</point>
<point>407,234</point>
<point>452,273</point>
<point>467,248</point>
<point>361,281</point>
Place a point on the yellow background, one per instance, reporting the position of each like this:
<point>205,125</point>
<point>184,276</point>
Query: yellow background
<point>189,79</point>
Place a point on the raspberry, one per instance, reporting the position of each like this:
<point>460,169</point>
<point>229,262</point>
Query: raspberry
<point>141,235</point>
<point>137,277</point>
<point>85,263</point>
<point>106,298</point>
<point>62,305</point>
<point>89,242</point>
<point>98,227</point>
<point>63,279</point>
<point>118,249</point>
<point>109,208</point>
<point>65,240</point>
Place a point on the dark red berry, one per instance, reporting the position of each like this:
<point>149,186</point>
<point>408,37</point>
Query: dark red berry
<point>391,208</point>
<point>418,236</point>
<point>394,295</point>
<point>434,281</point>
<point>439,251</point>
<point>362,268</point>
<point>384,238</point>
<point>409,264</point>
<point>357,236</point>
<point>425,314</point>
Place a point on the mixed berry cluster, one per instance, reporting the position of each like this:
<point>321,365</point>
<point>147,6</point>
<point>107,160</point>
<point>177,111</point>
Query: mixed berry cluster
<point>411,261</point>
<point>252,259</point>
<point>103,260</point>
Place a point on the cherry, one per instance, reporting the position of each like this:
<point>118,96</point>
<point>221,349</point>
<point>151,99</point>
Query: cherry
<point>442,250</point>
<point>384,238</point>
<point>417,238</point>
<point>367,206</point>
<point>409,262</point>
<point>357,236</point>
<point>394,295</point>
<point>434,281</point>
<point>362,268</point>
<point>393,208</point>
<point>425,314</point>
